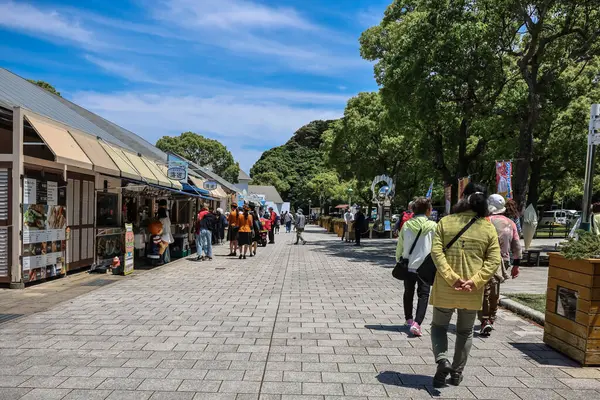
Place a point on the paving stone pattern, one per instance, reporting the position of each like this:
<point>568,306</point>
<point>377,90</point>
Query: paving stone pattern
<point>321,321</point>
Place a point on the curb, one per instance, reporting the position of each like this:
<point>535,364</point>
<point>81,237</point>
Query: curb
<point>523,310</point>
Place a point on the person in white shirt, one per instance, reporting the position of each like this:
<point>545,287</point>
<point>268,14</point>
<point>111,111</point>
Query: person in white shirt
<point>348,218</point>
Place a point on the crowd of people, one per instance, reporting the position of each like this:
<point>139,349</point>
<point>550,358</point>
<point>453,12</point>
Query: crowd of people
<point>246,228</point>
<point>474,250</point>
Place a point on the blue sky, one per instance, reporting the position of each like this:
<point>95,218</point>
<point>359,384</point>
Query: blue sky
<point>245,72</point>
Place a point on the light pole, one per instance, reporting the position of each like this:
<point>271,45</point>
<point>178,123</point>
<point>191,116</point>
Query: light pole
<point>309,209</point>
<point>588,188</point>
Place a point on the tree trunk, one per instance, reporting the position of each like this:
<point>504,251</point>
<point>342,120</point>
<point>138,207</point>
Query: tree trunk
<point>534,182</point>
<point>526,147</point>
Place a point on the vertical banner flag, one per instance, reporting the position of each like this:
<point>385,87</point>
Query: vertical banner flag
<point>430,191</point>
<point>448,198</point>
<point>462,184</point>
<point>504,178</point>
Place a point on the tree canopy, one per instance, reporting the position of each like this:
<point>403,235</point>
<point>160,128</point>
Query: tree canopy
<point>204,152</point>
<point>45,85</point>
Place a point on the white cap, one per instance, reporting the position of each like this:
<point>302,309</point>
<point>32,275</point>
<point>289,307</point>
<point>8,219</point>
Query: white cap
<point>496,204</point>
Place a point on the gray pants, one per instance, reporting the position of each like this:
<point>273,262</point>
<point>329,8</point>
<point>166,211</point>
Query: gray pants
<point>299,237</point>
<point>464,335</point>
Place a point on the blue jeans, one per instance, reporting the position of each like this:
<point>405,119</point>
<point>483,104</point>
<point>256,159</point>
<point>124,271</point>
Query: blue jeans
<point>206,240</point>
<point>288,227</point>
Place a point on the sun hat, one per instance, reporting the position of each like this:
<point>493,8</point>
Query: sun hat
<point>496,204</point>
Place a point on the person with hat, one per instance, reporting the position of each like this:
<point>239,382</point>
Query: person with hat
<point>300,224</point>
<point>510,244</point>
<point>232,231</point>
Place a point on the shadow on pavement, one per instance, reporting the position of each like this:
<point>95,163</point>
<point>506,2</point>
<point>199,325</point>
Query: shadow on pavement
<point>543,354</point>
<point>414,381</point>
<point>381,252</point>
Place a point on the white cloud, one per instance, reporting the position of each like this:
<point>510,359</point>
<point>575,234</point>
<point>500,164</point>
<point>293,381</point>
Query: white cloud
<point>232,14</point>
<point>127,71</point>
<point>233,121</point>
<point>35,21</point>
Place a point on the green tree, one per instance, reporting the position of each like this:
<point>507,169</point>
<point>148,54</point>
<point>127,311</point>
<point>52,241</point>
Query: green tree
<point>292,166</point>
<point>440,76</point>
<point>203,151</point>
<point>45,85</point>
<point>545,40</point>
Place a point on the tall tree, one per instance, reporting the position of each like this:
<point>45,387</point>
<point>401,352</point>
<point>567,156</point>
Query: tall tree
<point>544,39</point>
<point>46,86</point>
<point>441,75</point>
<point>203,151</point>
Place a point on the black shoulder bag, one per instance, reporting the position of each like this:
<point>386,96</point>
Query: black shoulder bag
<point>427,270</point>
<point>400,271</point>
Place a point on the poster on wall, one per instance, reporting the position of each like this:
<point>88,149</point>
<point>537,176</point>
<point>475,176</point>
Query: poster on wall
<point>129,249</point>
<point>462,184</point>
<point>44,226</point>
<point>504,178</point>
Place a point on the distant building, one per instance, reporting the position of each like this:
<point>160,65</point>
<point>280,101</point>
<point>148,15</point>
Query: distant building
<point>270,193</point>
<point>243,181</point>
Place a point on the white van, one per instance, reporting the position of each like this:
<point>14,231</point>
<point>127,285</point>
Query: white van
<point>557,217</point>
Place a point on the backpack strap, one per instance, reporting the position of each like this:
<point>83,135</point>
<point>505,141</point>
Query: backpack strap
<point>415,242</point>
<point>466,228</point>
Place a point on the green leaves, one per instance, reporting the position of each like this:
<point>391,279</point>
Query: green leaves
<point>46,86</point>
<point>203,151</point>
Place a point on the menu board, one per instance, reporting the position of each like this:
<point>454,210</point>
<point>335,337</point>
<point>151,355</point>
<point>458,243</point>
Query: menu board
<point>44,226</point>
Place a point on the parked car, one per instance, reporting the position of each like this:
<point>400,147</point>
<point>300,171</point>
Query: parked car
<point>558,217</point>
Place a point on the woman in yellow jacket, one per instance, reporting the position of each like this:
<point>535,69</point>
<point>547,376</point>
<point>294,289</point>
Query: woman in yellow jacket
<point>462,272</point>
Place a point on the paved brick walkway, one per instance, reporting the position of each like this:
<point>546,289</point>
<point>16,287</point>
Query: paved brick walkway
<point>321,321</point>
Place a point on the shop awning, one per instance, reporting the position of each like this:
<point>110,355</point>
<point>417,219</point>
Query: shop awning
<point>61,144</point>
<point>182,193</point>
<point>199,185</point>
<point>218,192</point>
<point>141,167</point>
<point>96,153</point>
<point>127,170</point>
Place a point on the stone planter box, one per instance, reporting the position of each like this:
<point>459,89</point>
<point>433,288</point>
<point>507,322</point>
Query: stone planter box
<point>572,323</point>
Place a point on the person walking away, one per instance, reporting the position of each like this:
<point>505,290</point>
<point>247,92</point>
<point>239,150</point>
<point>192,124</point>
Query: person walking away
<point>207,225</point>
<point>232,232</point>
<point>414,245</point>
<point>463,269</point>
<point>405,216</point>
<point>272,218</point>
<point>277,223</point>
<point>348,218</point>
<point>245,231</point>
<point>300,223</point>
<point>510,243</point>
<point>215,229</point>
<point>359,224</point>
<point>287,219</point>
<point>221,225</point>
<point>166,236</point>
<point>256,228</point>
<point>512,212</point>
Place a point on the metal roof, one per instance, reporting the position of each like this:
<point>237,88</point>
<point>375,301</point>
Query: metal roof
<point>131,139</point>
<point>211,175</point>
<point>270,193</point>
<point>243,176</point>
<point>18,92</point>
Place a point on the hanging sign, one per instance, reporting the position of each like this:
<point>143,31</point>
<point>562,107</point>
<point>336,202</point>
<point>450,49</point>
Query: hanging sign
<point>504,178</point>
<point>210,185</point>
<point>177,170</point>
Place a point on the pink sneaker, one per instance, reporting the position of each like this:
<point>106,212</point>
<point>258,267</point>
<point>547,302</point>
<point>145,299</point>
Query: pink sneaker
<point>409,322</point>
<point>415,329</point>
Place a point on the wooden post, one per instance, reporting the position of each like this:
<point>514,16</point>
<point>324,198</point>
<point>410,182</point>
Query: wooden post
<point>16,272</point>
